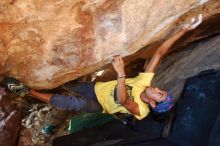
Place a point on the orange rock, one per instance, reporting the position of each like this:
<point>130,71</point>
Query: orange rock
<point>47,43</point>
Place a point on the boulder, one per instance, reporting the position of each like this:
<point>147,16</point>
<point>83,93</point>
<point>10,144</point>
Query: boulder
<point>47,43</point>
<point>10,122</point>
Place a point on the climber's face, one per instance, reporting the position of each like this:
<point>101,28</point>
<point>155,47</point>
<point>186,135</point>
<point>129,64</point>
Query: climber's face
<point>155,94</point>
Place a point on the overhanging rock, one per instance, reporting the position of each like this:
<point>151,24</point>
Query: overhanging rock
<point>47,43</point>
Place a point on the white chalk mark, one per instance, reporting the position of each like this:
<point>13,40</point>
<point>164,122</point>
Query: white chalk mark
<point>3,122</point>
<point>194,23</point>
<point>192,20</point>
<point>199,21</point>
<point>59,2</point>
<point>202,1</point>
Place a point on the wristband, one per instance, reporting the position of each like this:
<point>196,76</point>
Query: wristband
<point>121,76</point>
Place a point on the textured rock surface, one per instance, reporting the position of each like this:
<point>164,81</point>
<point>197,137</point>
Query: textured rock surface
<point>47,43</point>
<point>37,117</point>
<point>10,122</point>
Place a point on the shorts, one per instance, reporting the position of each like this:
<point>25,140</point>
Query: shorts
<point>88,101</point>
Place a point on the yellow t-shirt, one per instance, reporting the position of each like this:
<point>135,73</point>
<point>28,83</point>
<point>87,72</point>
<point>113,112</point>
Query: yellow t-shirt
<point>106,93</point>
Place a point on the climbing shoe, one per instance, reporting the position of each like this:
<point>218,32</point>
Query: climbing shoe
<point>15,86</point>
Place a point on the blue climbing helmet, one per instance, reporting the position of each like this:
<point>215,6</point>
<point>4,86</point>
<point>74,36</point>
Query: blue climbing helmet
<point>165,105</point>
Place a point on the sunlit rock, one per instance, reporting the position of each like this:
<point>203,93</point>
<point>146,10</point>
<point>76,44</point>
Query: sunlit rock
<point>47,43</point>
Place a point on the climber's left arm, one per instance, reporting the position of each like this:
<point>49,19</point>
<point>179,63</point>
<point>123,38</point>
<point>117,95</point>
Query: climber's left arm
<point>165,46</point>
<point>162,50</point>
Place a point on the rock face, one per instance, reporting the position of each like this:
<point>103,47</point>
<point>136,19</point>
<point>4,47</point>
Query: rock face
<point>47,43</point>
<point>38,116</point>
<point>10,122</point>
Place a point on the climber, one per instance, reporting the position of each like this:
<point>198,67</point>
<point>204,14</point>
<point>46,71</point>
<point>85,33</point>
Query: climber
<point>133,96</point>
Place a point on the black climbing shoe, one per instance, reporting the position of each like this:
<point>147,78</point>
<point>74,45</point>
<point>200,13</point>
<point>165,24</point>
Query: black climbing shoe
<point>15,86</point>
